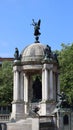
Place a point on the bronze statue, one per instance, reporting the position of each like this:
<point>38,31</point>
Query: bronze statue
<point>37,90</point>
<point>36,29</point>
<point>16,55</point>
<point>56,58</point>
<point>62,96</point>
<point>63,102</point>
<point>47,51</point>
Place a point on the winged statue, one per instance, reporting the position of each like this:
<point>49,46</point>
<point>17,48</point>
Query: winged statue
<point>36,27</point>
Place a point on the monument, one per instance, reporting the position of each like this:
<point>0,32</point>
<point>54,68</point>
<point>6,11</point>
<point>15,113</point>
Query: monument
<point>36,85</point>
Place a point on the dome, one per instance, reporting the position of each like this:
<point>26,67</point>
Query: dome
<point>33,52</point>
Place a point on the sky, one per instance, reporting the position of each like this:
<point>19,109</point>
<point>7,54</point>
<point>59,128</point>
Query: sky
<point>16,19</point>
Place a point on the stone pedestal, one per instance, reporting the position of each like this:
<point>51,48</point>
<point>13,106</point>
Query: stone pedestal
<point>17,110</point>
<point>46,108</point>
<point>27,124</point>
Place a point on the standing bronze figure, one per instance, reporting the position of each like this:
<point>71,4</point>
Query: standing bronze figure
<point>16,54</point>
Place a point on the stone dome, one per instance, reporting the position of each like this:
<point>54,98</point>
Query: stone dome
<point>33,52</point>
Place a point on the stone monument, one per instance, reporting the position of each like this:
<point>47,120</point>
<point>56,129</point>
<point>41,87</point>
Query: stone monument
<point>36,84</point>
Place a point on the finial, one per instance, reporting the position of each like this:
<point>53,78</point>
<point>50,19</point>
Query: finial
<point>36,30</point>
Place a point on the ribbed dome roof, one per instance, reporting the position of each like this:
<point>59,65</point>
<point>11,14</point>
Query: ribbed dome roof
<point>33,52</point>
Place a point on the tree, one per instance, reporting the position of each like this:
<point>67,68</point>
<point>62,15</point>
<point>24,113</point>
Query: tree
<point>66,70</point>
<point>6,83</point>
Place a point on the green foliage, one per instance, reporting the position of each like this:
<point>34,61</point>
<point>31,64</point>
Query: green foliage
<point>6,83</point>
<point>66,70</point>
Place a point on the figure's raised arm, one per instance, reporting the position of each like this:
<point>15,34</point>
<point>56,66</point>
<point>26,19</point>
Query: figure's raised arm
<point>33,22</point>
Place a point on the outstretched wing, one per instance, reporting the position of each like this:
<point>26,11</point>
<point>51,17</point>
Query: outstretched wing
<point>39,22</point>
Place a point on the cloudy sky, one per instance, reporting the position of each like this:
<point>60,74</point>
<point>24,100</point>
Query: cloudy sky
<point>16,19</point>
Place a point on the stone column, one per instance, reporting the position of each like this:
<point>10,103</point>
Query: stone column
<point>14,87</point>
<point>17,86</point>
<point>45,87</point>
<point>51,84</point>
<point>21,86</point>
<point>16,90</point>
<point>26,92</point>
<point>54,86</point>
<point>45,84</point>
<point>17,104</point>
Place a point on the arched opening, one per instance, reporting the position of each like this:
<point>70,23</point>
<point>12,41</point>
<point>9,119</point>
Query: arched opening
<point>65,120</point>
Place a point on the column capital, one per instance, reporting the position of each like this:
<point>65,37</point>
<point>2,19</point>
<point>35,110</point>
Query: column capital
<point>47,66</point>
<point>17,68</point>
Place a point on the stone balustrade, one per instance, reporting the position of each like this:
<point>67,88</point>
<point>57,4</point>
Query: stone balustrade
<point>4,117</point>
<point>5,113</point>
